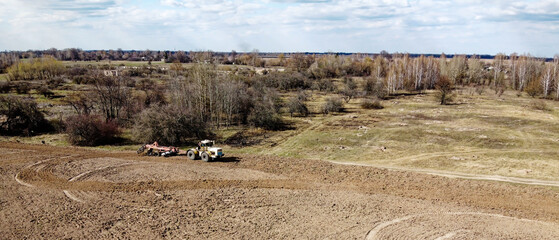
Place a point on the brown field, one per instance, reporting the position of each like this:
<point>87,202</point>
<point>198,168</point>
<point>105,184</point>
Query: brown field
<point>74,193</point>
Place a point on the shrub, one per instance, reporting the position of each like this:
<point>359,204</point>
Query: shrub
<point>265,116</point>
<point>296,105</point>
<point>284,80</point>
<point>57,125</point>
<point>374,88</point>
<point>22,88</point>
<point>83,79</point>
<point>20,116</point>
<point>5,87</point>
<point>350,89</point>
<point>480,89</point>
<point>90,130</point>
<point>323,84</point>
<point>541,105</point>
<point>55,82</point>
<point>333,104</point>
<point>444,87</point>
<point>533,89</point>
<point>168,125</point>
<point>303,96</point>
<point>371,104</point>
<point>499,90</point>
<point>45,91</point>
<point>77,71</point>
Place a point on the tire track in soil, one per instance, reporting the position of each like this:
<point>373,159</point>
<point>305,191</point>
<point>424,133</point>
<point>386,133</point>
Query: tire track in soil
<point>38,166</point>
<point>36,174</point>
<point>450,235</point>
<point>89,173</point>
<point>315,175</point>
<point>458,153</point>
<point>373,233</point>
<point>49,180</point>
<point>498,178</point>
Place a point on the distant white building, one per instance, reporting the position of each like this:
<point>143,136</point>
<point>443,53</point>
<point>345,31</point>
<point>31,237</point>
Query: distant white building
<point>110,73</point>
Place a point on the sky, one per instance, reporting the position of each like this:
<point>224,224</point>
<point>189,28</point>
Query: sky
<point>405,26</point>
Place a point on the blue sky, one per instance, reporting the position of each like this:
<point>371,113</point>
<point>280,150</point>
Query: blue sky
<point>414,26</point>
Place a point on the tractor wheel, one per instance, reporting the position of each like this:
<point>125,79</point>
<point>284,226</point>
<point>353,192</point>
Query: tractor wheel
<point>205,157</point>
<point>191,155</point>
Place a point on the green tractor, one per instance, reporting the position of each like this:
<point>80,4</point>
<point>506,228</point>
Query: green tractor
<point>205,151</point>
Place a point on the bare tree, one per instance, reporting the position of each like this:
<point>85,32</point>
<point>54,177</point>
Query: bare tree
<point>456,69</point>
<point>300,62</point>
<point>513,68</point>
<point>418,70</point>
<point>522,71</point>
<point>475,70</point>
<point>498,67</point>
<point>391,79</point>
<point>380,67</point>
<point>432,72</point>
<point>546,79</point>
<point>111,96</point>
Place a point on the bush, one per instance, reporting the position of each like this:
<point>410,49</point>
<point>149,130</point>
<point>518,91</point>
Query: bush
<point>323,84</point>
<point>265,116</point>
<point>284,80</point>
<point>83,79</point>
<point>55,82</point>
<point>168,125</point>
<point>45,91</point>
<point>445,88</point>
<point>5,87</point>
<point>57,125</point>
<point>303,96</point>
<point>90,130</point>
<point>333,104</point>
<point>480,89</point>
<point>296,105</point>
<point>350,89</point>
<point>22,88</point>
<point>374,88</point>
<point>541,105</point>
<point>371,104</point>
<point>20,116</point>
<point>533,89</point>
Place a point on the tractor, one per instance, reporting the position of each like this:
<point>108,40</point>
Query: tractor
<point>155,149</point>
<point>205,151</point>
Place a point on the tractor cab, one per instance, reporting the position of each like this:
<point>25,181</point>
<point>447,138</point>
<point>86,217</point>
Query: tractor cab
<point>206,151</point>
<point>205,144</point>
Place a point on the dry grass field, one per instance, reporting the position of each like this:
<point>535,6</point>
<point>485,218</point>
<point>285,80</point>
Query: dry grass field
<point>510,135</point>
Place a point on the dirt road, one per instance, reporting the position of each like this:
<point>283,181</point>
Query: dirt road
<point>51,192</point>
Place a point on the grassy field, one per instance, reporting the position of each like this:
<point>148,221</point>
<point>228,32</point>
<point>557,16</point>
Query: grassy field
<point>509,135</point>
<point>481,134</point>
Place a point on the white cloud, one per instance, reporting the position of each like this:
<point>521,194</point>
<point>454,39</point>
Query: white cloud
<point>461,26</point>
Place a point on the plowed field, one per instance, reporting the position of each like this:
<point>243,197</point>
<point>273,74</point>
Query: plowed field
<point>56,193</point>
